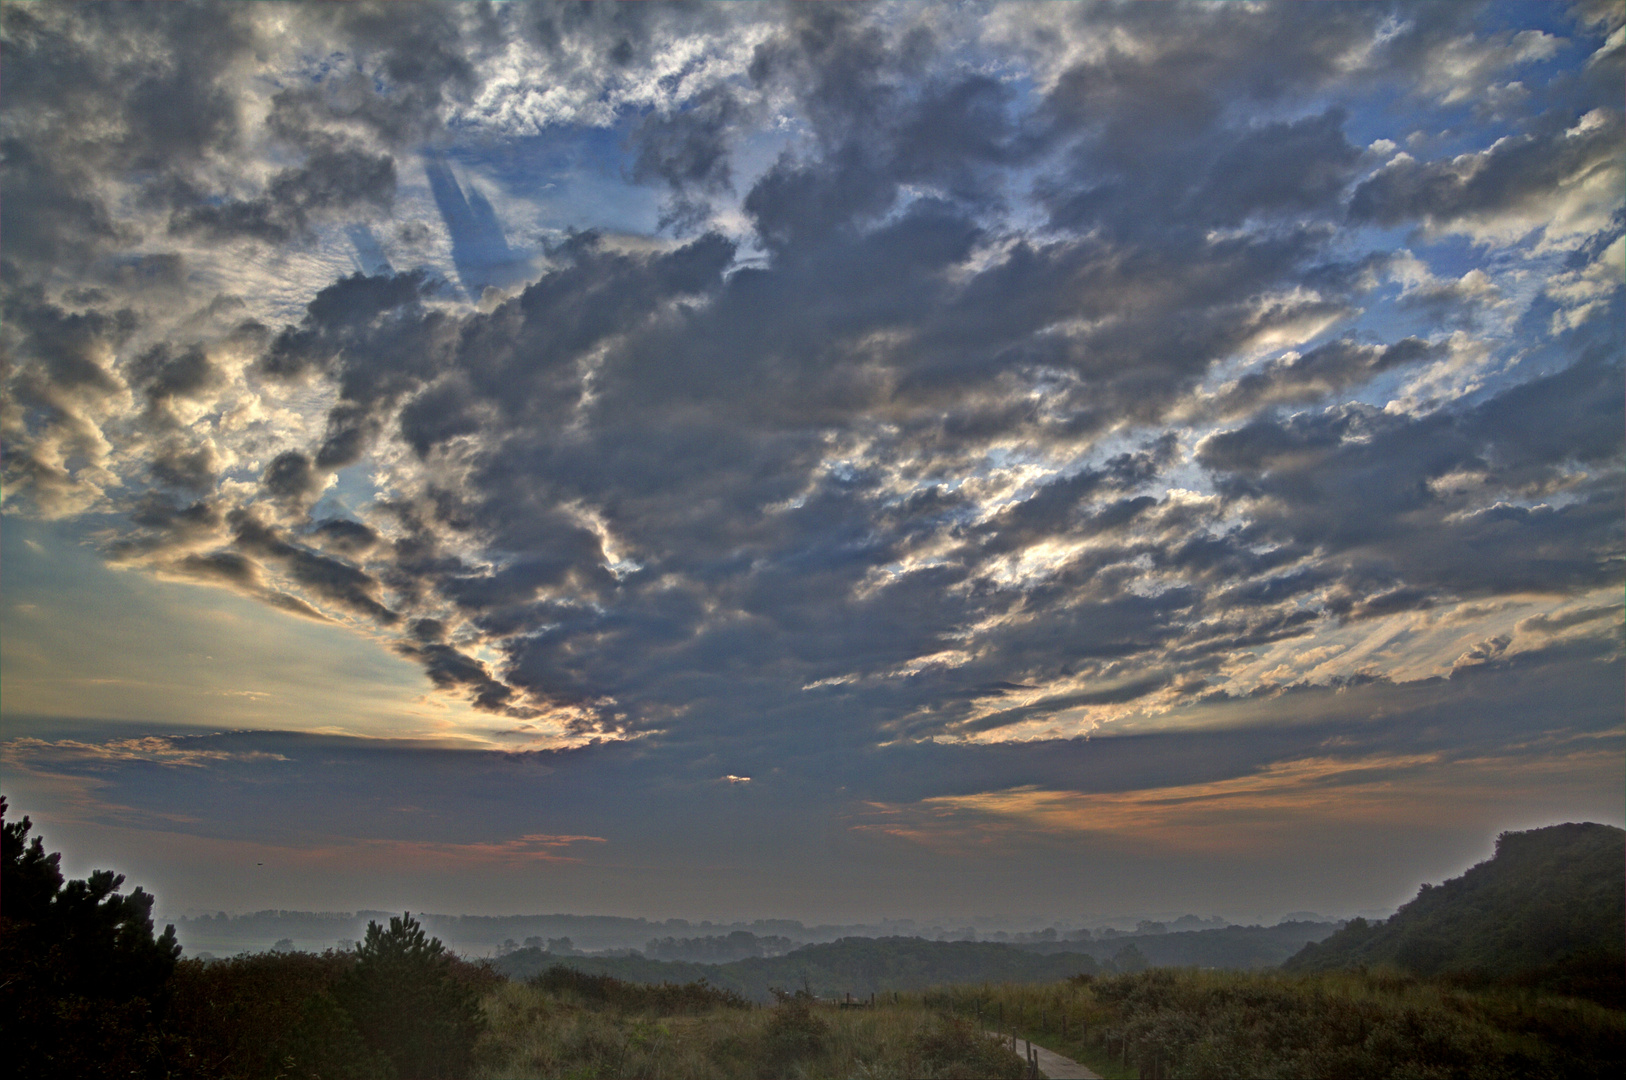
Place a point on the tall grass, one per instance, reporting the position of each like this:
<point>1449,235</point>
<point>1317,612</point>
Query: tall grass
<point>1156,1024</point>
<point>1183,1023</point>
<point>534,1031</point>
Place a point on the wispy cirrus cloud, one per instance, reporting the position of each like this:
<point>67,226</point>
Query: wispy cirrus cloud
<point>1243,814</point>
<point>178,752</point>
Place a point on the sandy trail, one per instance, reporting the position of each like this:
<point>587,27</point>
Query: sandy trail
<point>1051,1064</point>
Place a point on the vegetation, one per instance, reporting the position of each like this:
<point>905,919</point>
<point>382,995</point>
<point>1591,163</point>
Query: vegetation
<point>1159,1023</point>
<point>397,1005</point>
<point>856,966</point>
<point>89,990</point>
<point>718,948</point>
<point>548,1028</point>
<point>1165,1023</point>
<point>1546,911</point>
<point>83,981</point>
<point>407,1001</point>
<point>667,999</point>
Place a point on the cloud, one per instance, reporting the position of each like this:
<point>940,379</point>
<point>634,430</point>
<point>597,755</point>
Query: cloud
<point>1562,180</point>
<point>151,749</point>
<point>989,380</point>
<point>1561,621</point>
<point>1237,815</point>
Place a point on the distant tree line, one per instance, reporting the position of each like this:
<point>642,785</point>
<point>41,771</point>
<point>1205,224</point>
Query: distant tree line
<point>718,949</point>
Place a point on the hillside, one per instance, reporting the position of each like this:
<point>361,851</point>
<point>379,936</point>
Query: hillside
<point>1236,948</point>
<point>1547,910</point>
<point>857,966</point>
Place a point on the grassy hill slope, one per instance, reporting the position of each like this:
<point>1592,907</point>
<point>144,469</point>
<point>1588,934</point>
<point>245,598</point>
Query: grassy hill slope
<point>1547,910</point>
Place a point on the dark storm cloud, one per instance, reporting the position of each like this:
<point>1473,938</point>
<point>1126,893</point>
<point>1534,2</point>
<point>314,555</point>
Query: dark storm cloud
<point>1220,177</point>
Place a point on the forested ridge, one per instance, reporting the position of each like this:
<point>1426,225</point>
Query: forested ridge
<point>858,966</point>
<point>864,965</point>
<point>1547,910</point>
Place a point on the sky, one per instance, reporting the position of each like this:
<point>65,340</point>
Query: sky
<point>818,461</point>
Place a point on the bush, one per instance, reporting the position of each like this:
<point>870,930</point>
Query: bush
<point>956,1049</point>
<point>325,1045</point>
<point>241,1019</point>
<point>794,1033</point>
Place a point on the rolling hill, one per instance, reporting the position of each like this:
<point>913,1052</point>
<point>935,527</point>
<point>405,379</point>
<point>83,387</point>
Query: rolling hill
<point>857,966</point>
<point>1548,910</point>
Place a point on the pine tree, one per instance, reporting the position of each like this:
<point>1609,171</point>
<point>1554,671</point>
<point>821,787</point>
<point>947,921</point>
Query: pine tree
<point>407,1003</point>
<point>83,981</point>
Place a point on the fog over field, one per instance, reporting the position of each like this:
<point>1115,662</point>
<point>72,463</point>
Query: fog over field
<point>835,463</point>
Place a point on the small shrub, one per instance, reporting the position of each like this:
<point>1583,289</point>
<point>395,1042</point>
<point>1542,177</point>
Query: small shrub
<point>794,1033</point>
<point>955,1049</point>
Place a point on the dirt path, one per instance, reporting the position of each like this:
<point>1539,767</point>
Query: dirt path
<point>1051,1064</point>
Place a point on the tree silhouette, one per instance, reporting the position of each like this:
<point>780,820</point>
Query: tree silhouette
<point>408,1004</point>
<point>82,979</point>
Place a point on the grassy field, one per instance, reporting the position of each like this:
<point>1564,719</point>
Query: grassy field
<point>1184,1023</point>
<point>558,1032</point>
<point>1159,1023</point>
